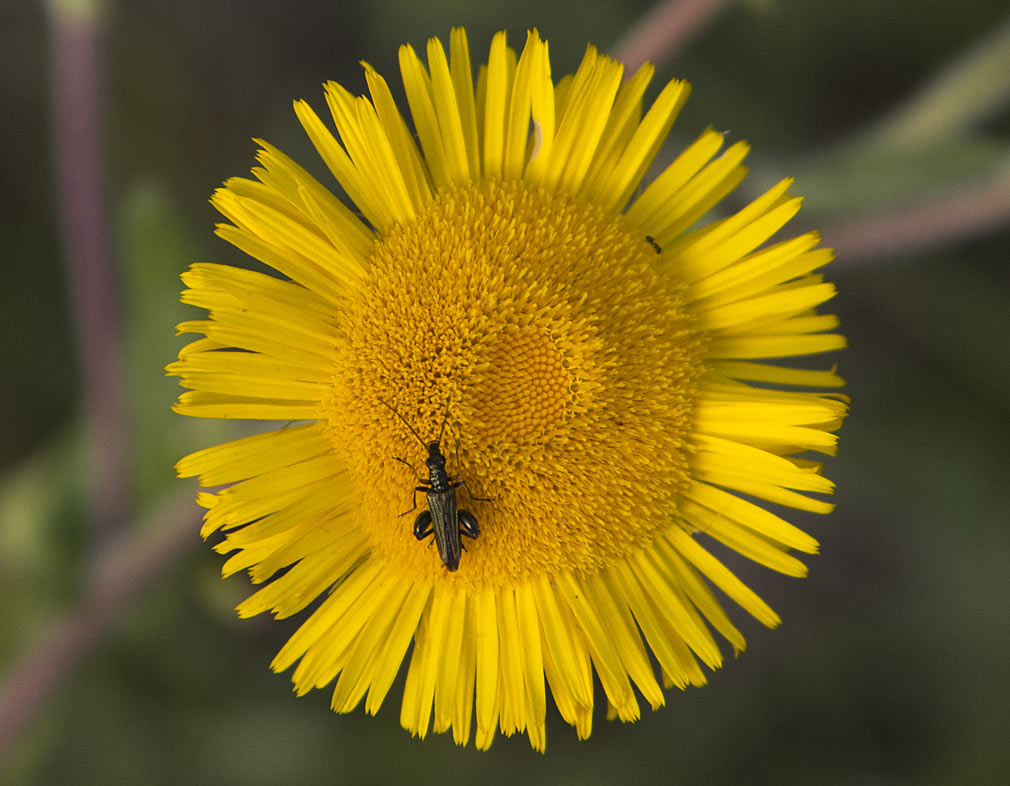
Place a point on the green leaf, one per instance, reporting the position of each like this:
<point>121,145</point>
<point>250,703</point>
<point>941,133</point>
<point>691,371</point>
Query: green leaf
<point>155,249</point>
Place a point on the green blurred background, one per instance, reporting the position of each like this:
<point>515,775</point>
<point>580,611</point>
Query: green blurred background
<point>892,663</point>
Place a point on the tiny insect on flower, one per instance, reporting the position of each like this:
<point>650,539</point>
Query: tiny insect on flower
<point>442,519</point>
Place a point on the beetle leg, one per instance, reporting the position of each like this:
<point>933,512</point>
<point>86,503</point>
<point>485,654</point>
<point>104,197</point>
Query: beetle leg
<point>422,525</point>
<point>462,483</point>
<point>468,524</point>
<point>404,461</point>
<point>416,489</point>
<point>457,481</point>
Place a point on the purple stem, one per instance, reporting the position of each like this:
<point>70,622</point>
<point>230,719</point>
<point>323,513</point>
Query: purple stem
<point>84,226</point>
<point>970,210</point>
<point>130,564</point>
<point>661,32</point>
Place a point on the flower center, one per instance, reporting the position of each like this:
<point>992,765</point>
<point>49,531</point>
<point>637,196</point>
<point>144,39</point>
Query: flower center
<point>557,349</point>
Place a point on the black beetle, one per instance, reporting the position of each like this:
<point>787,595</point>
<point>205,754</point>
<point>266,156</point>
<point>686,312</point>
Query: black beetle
<point>443,519</point>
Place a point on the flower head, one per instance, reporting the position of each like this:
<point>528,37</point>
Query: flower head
<point>590,357</point>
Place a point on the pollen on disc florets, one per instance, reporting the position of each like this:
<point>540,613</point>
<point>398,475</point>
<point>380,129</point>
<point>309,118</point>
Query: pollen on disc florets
<point>561,348</point>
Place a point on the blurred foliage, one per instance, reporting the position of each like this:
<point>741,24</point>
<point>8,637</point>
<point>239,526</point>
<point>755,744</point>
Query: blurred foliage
<point>891,664</point>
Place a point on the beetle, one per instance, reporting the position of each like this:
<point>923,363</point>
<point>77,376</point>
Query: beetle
<point>443,518</point>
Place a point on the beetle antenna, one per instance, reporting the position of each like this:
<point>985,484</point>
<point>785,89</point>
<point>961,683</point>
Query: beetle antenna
<point>441,431</point>
<point>423,443</point>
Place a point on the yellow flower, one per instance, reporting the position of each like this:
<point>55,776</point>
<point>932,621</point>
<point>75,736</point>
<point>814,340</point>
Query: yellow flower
<point>589,350</point>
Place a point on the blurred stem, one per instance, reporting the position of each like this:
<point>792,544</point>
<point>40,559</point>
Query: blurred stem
<point>971,88</point>
<point>84,225</point>
<point>966,211</point>
<point>128,565</point>
<point>663,30</point>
